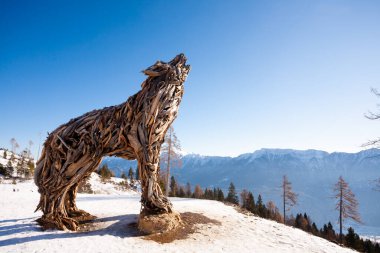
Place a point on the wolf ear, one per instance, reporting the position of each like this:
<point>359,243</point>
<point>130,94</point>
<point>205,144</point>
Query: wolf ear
<point>151,73</point>
<point>157,69</point>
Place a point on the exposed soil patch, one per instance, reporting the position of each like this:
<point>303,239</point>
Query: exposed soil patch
<point>190,220</point>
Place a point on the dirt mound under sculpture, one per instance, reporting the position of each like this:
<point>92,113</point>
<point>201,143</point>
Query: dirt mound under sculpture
<point>132,130</point>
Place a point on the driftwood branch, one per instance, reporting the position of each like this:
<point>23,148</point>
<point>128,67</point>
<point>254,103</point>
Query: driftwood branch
<point>132,130</point>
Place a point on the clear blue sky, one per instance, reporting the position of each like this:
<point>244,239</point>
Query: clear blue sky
<point>265,74</point>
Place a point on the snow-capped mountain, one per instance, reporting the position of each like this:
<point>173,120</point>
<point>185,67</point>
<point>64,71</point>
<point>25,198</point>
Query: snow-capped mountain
<point>312,173</point>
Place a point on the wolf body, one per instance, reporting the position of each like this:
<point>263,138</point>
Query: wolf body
<point>132,130</point>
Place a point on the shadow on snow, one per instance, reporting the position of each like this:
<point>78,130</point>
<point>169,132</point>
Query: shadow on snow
<point>123,227</point>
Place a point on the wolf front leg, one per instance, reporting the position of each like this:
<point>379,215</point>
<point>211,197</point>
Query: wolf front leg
<point>152,199</point>
<point>157,213</point>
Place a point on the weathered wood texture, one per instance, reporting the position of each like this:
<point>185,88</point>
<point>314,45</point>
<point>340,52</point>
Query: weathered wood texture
<point>132,130</point>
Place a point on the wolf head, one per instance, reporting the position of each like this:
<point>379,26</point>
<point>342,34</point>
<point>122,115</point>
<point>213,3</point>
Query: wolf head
<point>174,71</point>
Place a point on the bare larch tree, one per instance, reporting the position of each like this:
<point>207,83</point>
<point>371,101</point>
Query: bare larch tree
<point>346,204</point>
<point>289,198</point>
<point>170,155</point>
<point>377,186</point>
<point>132,130</point>
<point>376,142</point>
<point>14,145</point>
<point>30,148</point>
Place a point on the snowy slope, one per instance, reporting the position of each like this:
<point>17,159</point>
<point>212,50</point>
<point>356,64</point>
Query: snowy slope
<point>6,160</point>
<point>111,187</point>
<point>110,233</point>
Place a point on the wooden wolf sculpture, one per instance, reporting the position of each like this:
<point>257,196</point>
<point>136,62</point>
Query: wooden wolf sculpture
<point>132,130</point>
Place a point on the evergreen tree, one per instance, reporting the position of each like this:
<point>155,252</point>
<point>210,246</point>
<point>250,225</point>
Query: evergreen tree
<point>347,205</point>
<point>181,192</point>
<point>220,195</point>
<point>211,194</point>
<point>3,171</point>
<point>188,190</point>
<point>308,220</point>
<point>260,206</point>
<point>288,196</point>
<point>368,246</point>
<point>161,182</point>
<point>251,203</point>
<point>5,154</point>
<point>328,232</point>
<point>19,170</point>
<point>301,222</point>
<point>351,238</point>
<point>232,195</point>
<point>23,165</point>
<point>314,229</point>
<point>123,175</point>
<point>173,187</point>
<point>9,168</point>
<point>137,173</point>
<point>208,194</point>
<point>130,175</point>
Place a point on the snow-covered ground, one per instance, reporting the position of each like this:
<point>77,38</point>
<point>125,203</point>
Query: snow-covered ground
<point>111,231</point>
<point>111,187</point>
